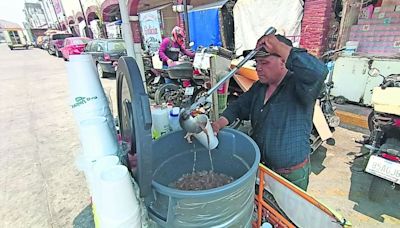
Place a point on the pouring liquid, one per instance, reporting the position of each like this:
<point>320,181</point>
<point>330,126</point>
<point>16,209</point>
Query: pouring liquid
<point>201,180</point>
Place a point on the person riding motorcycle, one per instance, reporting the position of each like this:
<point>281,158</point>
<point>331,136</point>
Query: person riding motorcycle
<point>171,47</point>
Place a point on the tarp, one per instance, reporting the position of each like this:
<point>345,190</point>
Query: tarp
<point>204,25</point>
<point>253,17</point>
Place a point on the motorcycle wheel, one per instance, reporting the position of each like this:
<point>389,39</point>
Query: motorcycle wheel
<point>167,93</point>
<point>151,87</point>
<point>377,189</point>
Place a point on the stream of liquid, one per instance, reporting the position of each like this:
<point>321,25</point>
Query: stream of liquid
<point>201,180</point>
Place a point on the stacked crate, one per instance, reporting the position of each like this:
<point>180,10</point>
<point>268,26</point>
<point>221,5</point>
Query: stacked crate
<point>380,34</point>
<point>315,25</point>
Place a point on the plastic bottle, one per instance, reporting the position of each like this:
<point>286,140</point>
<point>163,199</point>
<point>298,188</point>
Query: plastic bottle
<point>160,121</point>
<point>174,119</point>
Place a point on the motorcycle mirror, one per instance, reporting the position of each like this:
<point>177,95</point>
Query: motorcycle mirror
<point>374,72</point>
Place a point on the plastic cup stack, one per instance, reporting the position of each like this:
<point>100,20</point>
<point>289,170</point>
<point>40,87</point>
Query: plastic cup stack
<point>93,179</point>
<point>97,139</point>
<point>210,142</point>
<point>87,97</point>
<point>119,206</point>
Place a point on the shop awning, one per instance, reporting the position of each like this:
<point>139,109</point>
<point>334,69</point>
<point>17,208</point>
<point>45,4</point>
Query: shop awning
<point>156,8</point>
<point>215,5</point>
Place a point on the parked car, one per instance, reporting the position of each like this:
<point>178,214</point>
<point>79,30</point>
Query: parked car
<point>105,54</point>
<point>73,46</point>
<point>45,43</point>
<point>56,42</point>
<point>15,38</point>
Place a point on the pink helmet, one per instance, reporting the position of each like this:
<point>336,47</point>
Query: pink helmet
<point>178,34</point>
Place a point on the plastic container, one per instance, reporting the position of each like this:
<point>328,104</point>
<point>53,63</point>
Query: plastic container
<point>163,161</point>
<point>160,121</point>
<point>209,140</point>
<point>222,94</point>
<point>228,206</point>
<point>119,202</point>
<point>97,139</point>
<point>174,119</point>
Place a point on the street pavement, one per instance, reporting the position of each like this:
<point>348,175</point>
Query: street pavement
<point>41,187</point>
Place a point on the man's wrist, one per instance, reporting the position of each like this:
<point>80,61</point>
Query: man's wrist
<point>284,51</point>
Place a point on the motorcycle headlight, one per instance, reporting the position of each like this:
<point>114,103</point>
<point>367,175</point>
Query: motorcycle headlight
<point>333,121</point>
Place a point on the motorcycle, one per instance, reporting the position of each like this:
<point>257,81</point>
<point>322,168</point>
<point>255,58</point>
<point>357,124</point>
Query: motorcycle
<point>384,140</point>
<point>154,77</point>
<point>325,124</point>
<point>185,86</point>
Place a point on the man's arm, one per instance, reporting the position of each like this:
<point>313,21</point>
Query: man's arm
<point>238,109</point>
<point>309,71</point>
<point>309,74</point>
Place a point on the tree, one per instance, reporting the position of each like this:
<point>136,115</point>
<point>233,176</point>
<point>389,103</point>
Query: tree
<point>100,23</point>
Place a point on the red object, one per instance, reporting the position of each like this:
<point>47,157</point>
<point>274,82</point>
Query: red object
<point>315,25</point>
<point>397,122</point>
<point>390,157</point>
<point>74,46</point>
<point>186,83</point>
<point>106,57</point>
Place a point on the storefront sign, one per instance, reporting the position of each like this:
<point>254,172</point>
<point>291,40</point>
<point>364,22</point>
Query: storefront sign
<point>58,8</point>
<point>150,25</point>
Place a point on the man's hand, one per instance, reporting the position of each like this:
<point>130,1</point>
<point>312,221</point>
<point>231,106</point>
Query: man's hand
<point>274,46</point>
<point>219,124</point>
<point>170,62</point>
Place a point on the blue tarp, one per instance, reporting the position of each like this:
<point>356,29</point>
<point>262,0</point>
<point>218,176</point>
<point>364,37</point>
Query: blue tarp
<point>204,28</point>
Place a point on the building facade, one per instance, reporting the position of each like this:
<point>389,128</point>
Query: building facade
<point>35,15</point>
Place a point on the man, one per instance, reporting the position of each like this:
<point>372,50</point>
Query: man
<point>171,47</point>
<point>280,107</point>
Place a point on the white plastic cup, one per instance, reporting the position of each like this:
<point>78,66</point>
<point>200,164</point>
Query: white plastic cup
<point>83,78</point>
<point>97,138</point>
<point>87,97</point>
<point>98,167</point>
<point>202,137</point>
<point>95,109</point>
<point>118,200</point>
<point>85,165</point>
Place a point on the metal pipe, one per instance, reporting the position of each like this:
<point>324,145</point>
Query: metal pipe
<point>84,18</point>
<point>186,23</point>
<point>126,28</point>
<point>186,120</point>
<point>269,31</point>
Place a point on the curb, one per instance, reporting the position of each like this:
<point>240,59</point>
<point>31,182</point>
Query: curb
<point>352,119</point>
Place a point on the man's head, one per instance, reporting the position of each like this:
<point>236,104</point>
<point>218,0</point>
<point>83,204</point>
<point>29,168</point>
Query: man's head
<point>178,34</point>
<point>271,68</point>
